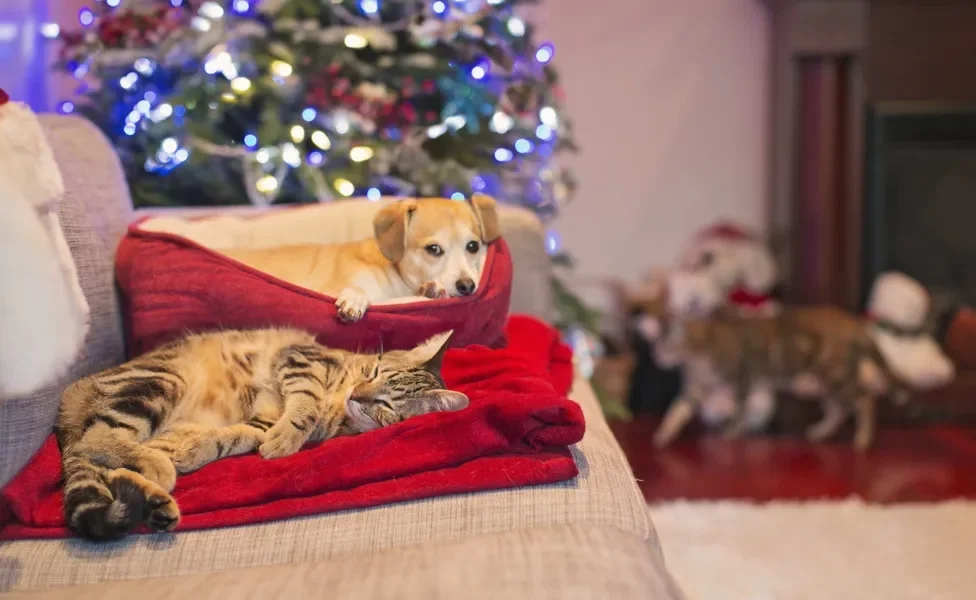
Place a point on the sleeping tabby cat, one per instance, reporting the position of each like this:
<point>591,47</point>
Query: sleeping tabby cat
<point>810,351</point>
<point>126,432</point>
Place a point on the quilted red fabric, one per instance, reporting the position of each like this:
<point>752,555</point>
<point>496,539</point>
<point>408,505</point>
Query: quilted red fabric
<point>171,285</point>
<point>514,433</point>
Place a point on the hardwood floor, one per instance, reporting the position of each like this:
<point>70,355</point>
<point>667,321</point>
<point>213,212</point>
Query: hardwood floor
<point>907,463</point>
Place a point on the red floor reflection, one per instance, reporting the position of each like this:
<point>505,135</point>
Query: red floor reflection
<point>906,464</point>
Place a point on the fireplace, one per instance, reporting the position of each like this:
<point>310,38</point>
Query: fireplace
<point>919,214</point>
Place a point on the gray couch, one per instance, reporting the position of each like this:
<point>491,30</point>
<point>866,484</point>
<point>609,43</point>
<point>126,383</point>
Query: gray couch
<point>586,538</point>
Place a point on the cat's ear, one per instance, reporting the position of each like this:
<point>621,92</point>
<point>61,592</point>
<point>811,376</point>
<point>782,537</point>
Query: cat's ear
<point>430,354</point>
<point>449,400</point>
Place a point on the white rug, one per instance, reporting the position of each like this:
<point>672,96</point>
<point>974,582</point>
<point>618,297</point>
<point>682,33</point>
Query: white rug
<point>820,550</point>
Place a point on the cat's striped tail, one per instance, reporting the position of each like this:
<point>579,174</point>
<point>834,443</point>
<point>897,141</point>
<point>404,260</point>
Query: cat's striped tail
<point>104,504</point>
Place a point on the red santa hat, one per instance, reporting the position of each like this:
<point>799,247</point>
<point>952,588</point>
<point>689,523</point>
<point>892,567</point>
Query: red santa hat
<point>737,260</point>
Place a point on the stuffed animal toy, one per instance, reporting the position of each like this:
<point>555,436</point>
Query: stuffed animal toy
<point>726,265</point>
<point>897,309</point>
<point>43,312</point>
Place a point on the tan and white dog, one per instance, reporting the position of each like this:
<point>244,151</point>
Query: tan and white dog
<point>430,248</point>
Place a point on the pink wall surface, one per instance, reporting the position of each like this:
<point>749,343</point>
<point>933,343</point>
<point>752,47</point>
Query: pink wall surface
<point>669,102</point>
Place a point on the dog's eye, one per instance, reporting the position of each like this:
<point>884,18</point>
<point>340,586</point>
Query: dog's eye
<point>473,247</point>
<point>434,249</point>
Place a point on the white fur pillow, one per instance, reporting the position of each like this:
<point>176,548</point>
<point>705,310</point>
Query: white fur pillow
<point>43,312</point>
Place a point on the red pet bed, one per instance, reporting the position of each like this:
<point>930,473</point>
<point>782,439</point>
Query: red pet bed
<point>173,279</point>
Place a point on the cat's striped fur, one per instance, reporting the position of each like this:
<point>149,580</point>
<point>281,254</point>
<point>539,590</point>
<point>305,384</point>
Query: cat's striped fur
<point>126,432</point>
<point>823,352</point>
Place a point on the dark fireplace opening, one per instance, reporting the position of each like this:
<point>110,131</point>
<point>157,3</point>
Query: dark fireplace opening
<point>920,190</point>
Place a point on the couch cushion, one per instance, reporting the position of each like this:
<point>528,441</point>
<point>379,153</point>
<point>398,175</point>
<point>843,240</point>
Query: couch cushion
<point>577,561</point>
<point>605,494</point>
<point>94,213</point>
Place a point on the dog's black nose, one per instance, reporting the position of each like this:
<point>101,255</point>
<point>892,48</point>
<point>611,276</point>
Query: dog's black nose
<point>465,286</point>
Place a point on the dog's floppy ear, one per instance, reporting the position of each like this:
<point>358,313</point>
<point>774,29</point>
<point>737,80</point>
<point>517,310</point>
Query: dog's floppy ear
<point>390,228</point>
<point>486,209</point>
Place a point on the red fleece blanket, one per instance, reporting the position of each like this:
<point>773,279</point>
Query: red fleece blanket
<point>514,433</point>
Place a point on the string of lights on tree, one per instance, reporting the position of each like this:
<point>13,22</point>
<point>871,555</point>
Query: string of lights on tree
<point>223,102</point>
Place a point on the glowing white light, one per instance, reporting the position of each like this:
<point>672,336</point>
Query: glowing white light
<point>456,122</point>
<point>86,17</point>
<point>544,54</point>
<point>356,41</point>
<point>436,131</point>
<point>373,194</point>
<point>143,106</point>
<point>144,66</point>
<point>553,243</point>
<point>132,117</point>
<point>250,140</point>
<point>240,84</point>
<point>150,96</point>
<point>321,140</point>
<point>516,27</point>
<point>543,132</point>
<point>523,146</point>
<point>547,115</point>
<point>478,72</point>
<point>230,71</point>
<point>297,134</point>
<point>281,68</point>
<point>360,154</point>
<point>242,6</point>
<point>81,71</point>
<point>495,2</point>
<point>369,7</point>
<point>67,106</point>
<point>262,156</point>
<point>50,30</point>
<point>501,122</point>
<point>309,114</point>
<point>503,155</point>
<point>211,10</point>
<point>291,155</point>
<point>161,113</point>
<point>266,184</point>
<point>170,145</point>
<point>316,158</point>
<point>200,24</point>
<point>457,196</point>
<point>163,156</point>
<point>113,3</point>
<point>129,129</point>
<point>128,81</point>
<point>344,187</point>
<point>341,125</point>
<point>181,155</point>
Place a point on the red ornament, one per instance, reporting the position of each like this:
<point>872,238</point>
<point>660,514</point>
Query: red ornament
<point>4,97</point>
<point>428,86</point>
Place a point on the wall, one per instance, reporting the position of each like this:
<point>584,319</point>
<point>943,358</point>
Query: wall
<point>669,99</point>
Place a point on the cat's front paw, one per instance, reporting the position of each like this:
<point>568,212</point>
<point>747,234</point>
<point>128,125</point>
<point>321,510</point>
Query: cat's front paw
<point>352,305</point>
<point>432,290</point>
<point>281,441</point>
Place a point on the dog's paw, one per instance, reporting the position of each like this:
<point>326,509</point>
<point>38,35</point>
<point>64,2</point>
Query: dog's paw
<point>352,305</point>
<point>432,290</point>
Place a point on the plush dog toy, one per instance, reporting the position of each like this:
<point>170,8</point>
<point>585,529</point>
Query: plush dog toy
<point>897,309</point>
<point>43,312</point>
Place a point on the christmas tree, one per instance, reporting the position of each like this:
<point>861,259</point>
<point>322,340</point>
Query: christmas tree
<point>222,102</point>
<point>261,101</point>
